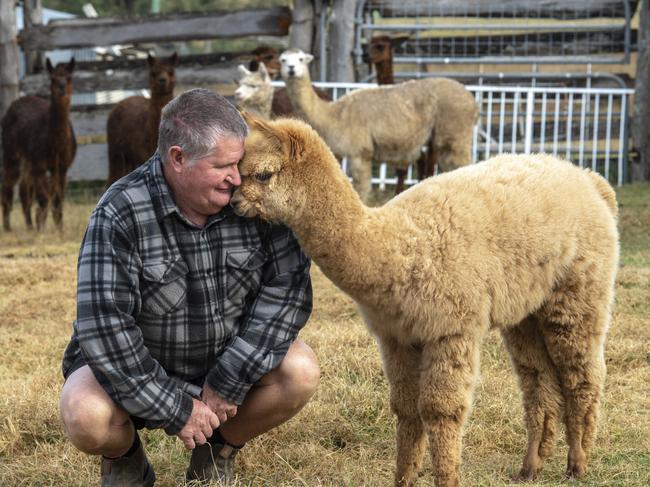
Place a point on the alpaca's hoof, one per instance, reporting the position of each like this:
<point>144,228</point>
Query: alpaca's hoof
<point>525,475</point>
<point>576,471</point>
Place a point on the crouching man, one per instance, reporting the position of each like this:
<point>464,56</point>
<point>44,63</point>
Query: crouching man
<point>187,315</point>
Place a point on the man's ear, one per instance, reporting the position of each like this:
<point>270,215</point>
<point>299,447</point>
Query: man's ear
<point>176,158</point>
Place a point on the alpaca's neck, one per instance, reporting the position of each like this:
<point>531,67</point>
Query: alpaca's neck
<point>385,72</point>
<point>335,228</point>
<point>305,101</point>
<point>156,104</point>
<point>59,133</point>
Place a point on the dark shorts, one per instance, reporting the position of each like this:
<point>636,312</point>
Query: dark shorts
<point>139,423</point>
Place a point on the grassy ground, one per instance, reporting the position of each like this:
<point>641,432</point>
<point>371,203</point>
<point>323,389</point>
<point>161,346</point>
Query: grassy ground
<point>344,437</point>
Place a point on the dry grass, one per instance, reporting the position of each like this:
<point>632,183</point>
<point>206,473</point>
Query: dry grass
<point>344,437</point>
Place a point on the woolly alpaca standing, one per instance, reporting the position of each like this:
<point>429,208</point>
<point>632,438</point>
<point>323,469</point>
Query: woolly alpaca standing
<point>524,244</point>
<point>380,54</point>
<point>38,148</point>
<point>132,126</point>
<point>388,123</point>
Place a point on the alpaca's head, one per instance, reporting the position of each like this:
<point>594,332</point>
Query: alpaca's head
<point>267,55</point>
<point>61,81</point>
<point>380,48</point>
<point>295,64</point>
<point>253,84</point>
<point>162,74</point>
<point>271,170</point>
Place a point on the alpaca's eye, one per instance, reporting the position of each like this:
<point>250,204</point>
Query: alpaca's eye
<point>263,176</point>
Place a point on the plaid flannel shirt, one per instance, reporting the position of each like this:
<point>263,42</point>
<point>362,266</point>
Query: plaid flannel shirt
<point>163,304</point>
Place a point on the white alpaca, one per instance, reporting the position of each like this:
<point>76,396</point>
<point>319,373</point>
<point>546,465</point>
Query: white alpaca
<point>387,123</point>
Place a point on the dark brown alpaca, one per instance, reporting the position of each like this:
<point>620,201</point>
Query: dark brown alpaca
<point>267,55</point>
<point>281,105</point>
<point>39,147</point>
<point>380,53</point>
<point>132,127</point>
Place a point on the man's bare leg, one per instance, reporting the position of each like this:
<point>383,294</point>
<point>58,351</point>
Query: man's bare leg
<point>277,397</point>
<point>94,423</point>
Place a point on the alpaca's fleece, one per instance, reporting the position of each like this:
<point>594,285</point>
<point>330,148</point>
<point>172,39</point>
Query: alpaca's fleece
<point>525,244</point>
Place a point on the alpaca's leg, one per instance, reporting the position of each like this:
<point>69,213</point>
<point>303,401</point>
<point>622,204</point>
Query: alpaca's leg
<point>449,369</point>
<point>542,395</point>
<point>402,367</point>
<point>42,190</point>
<point>401,177</point>
<point>26,192</point>
<point>361,170</point>
<point>10,176</point>
<point>574,327</point>
<point>57,191</point>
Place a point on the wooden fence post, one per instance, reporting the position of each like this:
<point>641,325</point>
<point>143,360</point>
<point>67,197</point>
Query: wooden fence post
<point>32,16</point>
<point>640,169</point>
<point>8,58</point>
<point>341,35</point>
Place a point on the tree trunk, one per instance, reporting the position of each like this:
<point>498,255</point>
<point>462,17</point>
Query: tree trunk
<point>33,15</point>
<point>341,34</point>
<point>640,169</point>
<point>8,58</point>
<point>301,33</point>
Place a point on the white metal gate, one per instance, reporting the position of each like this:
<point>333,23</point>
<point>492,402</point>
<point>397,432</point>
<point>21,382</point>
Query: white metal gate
<point>588,126</point>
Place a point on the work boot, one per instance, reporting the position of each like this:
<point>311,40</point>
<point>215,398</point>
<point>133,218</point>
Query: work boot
<point>212,461</point>
<point>128,471</point>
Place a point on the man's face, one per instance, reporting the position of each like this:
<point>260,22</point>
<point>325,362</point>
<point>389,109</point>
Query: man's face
<point>204,186</point>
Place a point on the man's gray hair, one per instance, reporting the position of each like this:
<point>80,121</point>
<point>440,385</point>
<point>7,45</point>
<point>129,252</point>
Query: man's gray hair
<point>196,120</point>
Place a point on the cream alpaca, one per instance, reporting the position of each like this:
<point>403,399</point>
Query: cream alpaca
<point>387,123</point>
<point>255,93</point>
<point>526,244</point>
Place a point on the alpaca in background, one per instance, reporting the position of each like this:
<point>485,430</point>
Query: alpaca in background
<point>387,123</point>
<point>380,54</point>
<point>525,244</point>
<point>256,94</point>
<point>38,148</point>
<point>132,126</point>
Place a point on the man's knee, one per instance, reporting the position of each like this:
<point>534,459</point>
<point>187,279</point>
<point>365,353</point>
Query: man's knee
<point>88,414</point>
<point>301,372</point>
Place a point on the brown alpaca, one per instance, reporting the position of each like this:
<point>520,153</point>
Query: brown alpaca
<point>267,55</point>
<point>380,53</point>
<point>386,123</point>
<point>38,147</point>
<point>132,126</point>
<point>525,244</point>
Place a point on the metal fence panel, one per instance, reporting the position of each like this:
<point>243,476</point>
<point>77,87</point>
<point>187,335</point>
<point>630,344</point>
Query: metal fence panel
<point>588,126</point>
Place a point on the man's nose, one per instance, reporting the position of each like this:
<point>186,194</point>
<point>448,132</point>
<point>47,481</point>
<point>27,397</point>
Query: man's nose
<point>235,178</point>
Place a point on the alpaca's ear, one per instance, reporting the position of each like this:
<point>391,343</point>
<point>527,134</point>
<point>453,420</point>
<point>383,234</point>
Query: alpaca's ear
<point>242,69</point>
<point>173,59</point>
<point>150,60</point>
<point>308,58</point>
<point>265,73</point>
<point>71,65</point>
<point>255,123</point>
<point>397,41</point>
<point>48,65</point>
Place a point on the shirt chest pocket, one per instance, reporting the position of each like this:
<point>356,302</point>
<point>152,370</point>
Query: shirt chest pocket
<point>243,273</point>
<point>164,286</point>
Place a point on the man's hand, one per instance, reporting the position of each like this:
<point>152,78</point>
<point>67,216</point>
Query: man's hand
<point>199,426</point>
<point>222,408</point>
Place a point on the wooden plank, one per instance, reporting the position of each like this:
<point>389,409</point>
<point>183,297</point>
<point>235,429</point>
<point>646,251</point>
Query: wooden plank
<point>108,31</point>
<point>557,9</point>
<point>90,80</point>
